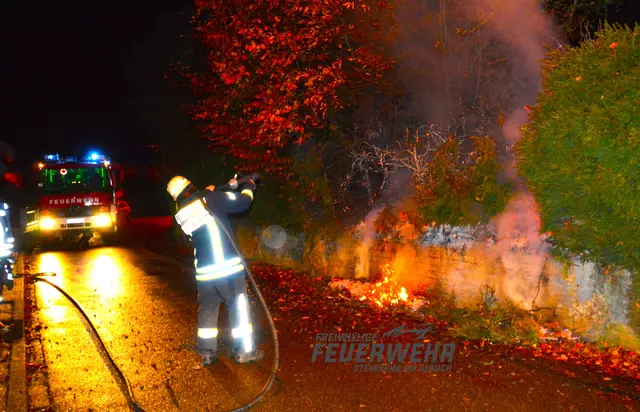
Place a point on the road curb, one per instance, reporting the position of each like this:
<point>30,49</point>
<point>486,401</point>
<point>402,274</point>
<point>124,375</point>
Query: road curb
<point>17,391</point>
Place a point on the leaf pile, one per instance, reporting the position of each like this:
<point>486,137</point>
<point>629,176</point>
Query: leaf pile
<point>320,308</point>
<point>610,361</point>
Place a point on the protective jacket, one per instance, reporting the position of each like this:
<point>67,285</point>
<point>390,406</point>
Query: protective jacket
<point>6,248</point>
<point>6,237</point>
<point>219,269</point>
<point>215,256</point>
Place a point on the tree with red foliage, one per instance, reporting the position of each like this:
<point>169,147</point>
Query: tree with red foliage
<point>276,69</point>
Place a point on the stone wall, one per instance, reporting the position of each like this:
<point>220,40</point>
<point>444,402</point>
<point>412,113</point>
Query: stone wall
<point>292,248</point>
<point>582,296</point>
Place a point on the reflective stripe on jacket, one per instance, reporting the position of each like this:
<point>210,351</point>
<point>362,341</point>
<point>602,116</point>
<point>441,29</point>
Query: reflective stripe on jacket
<point>215,256</point>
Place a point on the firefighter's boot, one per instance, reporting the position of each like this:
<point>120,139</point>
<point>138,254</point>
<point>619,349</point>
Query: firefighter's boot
<point>209,358</point>
<point>252,356</point>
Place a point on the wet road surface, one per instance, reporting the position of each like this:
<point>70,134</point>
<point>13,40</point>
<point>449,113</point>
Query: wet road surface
<point>144,308</point>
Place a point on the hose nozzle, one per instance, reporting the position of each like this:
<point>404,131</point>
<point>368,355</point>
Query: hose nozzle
<point>237,181</point>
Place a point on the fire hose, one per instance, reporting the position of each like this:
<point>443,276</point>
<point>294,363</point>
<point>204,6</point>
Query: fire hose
<point>129,389</point>
<point>38,277</point>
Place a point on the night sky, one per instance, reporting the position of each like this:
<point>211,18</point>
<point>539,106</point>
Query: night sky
<point>67,72</point>
<point>67,75</point>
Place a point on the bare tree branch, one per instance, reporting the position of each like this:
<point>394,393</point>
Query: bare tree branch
<point>373,157</point>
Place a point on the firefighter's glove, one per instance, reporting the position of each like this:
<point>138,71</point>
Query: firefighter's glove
<point>251,185</point>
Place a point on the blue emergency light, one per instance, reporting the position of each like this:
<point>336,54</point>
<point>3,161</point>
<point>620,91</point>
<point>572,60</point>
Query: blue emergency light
<point>96,157</point>
<point>91,157</point>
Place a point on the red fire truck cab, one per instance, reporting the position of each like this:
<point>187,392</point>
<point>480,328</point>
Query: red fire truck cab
<point>76,197</point>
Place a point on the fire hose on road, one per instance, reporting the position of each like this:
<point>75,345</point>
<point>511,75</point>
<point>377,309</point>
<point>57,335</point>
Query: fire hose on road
<point>130,396</point>
<point>123,379</point>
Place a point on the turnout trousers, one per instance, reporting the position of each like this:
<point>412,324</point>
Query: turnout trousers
<point>231,290</point>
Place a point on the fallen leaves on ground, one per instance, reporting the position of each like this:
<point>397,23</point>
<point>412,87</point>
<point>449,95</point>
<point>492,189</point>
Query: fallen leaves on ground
<point>610,361</point>
<point>320,308</point>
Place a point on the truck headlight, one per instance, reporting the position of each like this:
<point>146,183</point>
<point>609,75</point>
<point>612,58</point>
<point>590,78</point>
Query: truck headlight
<point>46,223</point>
<point>102,220</point>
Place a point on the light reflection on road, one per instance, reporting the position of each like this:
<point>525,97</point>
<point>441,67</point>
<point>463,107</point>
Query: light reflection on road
<point>105,275</point>
<point>144,309</point>
<point>54,307</point>
<point>95,280</point>
<point>99,274</point>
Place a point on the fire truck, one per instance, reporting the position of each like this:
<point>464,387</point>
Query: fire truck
<point>76,197</point>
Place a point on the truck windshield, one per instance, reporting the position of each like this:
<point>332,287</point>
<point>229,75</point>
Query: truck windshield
<point>83,179</point>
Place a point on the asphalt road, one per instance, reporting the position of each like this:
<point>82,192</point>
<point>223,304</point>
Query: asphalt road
<point>143,306</point>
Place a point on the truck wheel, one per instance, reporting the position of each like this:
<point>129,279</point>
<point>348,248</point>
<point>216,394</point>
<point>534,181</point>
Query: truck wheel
<point>110,239</point>
<point>46,245</point>
<point>28,245</point>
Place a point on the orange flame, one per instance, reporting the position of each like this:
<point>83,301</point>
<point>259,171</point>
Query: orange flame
<point>386,292</point>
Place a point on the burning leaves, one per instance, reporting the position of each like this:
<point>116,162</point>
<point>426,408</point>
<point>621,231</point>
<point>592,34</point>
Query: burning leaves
<point>386,293</point>
<point>322,303</point>
<point>382,294</point>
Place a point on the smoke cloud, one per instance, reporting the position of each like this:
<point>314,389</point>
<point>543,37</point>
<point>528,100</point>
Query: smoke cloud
<point>367,235</point>
<point>472,67</point>
<point>469,61</point>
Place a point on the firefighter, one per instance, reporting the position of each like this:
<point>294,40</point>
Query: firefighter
<point>6,248</point>
<point>220,274</point>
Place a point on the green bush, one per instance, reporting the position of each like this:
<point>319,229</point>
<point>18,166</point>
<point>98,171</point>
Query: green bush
<point>635,306</point>
<point>247,241</point>
<point>287,203</point>
<point>581,150</point>
<point>464,194</point>
<point>278,203</point>
<point>303,203</point>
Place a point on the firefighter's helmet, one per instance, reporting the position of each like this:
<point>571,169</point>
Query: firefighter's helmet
<point>177,186</point>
